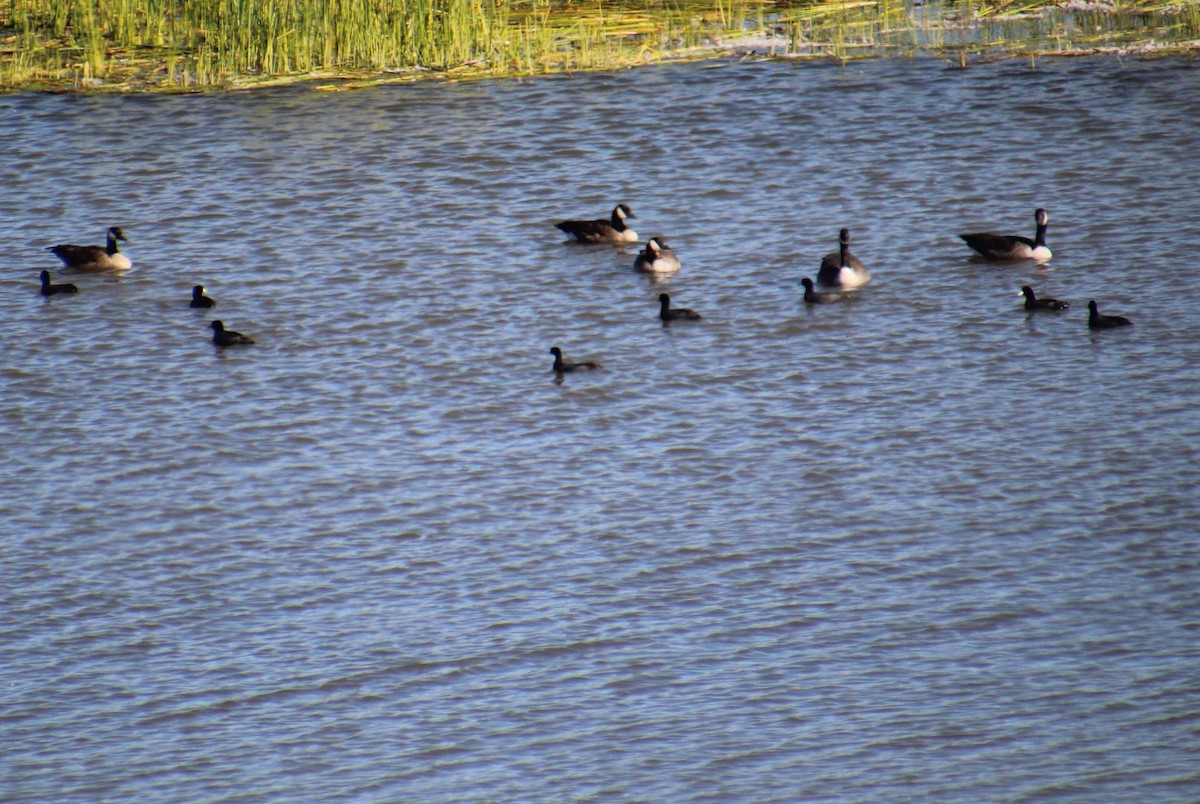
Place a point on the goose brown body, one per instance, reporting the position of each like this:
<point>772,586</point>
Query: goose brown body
<point>841,269</point>
<point>1013,247</point>
<point>656,258</point>
<point>95,258</point>
<point>613,230</point>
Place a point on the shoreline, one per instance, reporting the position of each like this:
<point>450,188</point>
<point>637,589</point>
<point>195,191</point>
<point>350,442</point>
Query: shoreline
<point>617,40</point>
<point>352,80</point>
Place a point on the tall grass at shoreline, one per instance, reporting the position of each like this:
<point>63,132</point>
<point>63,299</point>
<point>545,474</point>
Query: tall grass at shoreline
<point>183,44</point>
<point>214,41</point>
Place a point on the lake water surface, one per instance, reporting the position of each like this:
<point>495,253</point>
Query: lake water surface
<point>919,546</point>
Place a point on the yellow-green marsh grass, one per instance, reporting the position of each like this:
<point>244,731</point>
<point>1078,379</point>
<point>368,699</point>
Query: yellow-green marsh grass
<point>173,45</point>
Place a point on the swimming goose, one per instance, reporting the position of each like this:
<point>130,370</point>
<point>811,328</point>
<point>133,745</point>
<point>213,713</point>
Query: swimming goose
<point>602,231</point>
<point>561,365</point>
<point>656,258</point>
<point>678,314</point>
<point>227,337</point>
<point>841,268</point>
<point>95,258</point>
<point>200,300</point>
<point>814,297</point>
<point>50,290</point>
<point>1098,321</point>
<point>1032,302</point>
<point>1013,247</point>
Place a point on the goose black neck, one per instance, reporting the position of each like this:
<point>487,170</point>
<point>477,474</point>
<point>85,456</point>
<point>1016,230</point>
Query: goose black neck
<point>113,248</point>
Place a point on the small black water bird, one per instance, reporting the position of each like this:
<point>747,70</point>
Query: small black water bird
<point>227,337</point>
<point>562,366</point>
<point>841,269</point>
<point>820,297</point>
<point>1013,247</point>
<point>1032,302</point>
<point>1098,321</point>
<point>656,258</point>
<point>95,258</point>
<point>668,314</point>
<point>52,290</point>
<point>613,230</point>
<point>200,300</point>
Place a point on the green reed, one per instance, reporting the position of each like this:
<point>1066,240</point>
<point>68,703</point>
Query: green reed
<point>183,44</point>
<point>228,40</point>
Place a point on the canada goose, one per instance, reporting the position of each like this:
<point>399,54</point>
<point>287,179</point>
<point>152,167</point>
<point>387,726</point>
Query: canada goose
<point>1098,321</point>
<point>50,290</point>
<point>561,366</point>
<point>656,258</point>
<point>227,337</point>
<point>95,258</point>
<point>818,297</point>
<point>200,300</point>
<point>678,314</point>
<point>602,231</point>
<point>841,268</point>
<point>1032,302</point>
<point>1013,247</point>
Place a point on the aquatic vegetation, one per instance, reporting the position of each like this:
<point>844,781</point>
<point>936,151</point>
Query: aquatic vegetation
<point>215,42</point>
<point>190,44</point>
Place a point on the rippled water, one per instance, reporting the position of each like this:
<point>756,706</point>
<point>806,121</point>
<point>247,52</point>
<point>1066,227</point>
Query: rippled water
<point>917,546</point>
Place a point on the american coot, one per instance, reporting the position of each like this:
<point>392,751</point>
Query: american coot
<point>1013,247</point>
<point>666,313</point>
<point>1032,302</point>
<point>95,258</point>
<point>562,366</point>
<point>820,297</point>
<point>200,300</point>
<point>1098,321</point>
<point>602,231</point>
<point>841,268</point>
<point>227,337</point>
<point>51,290</point>
<point>656,258</point>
